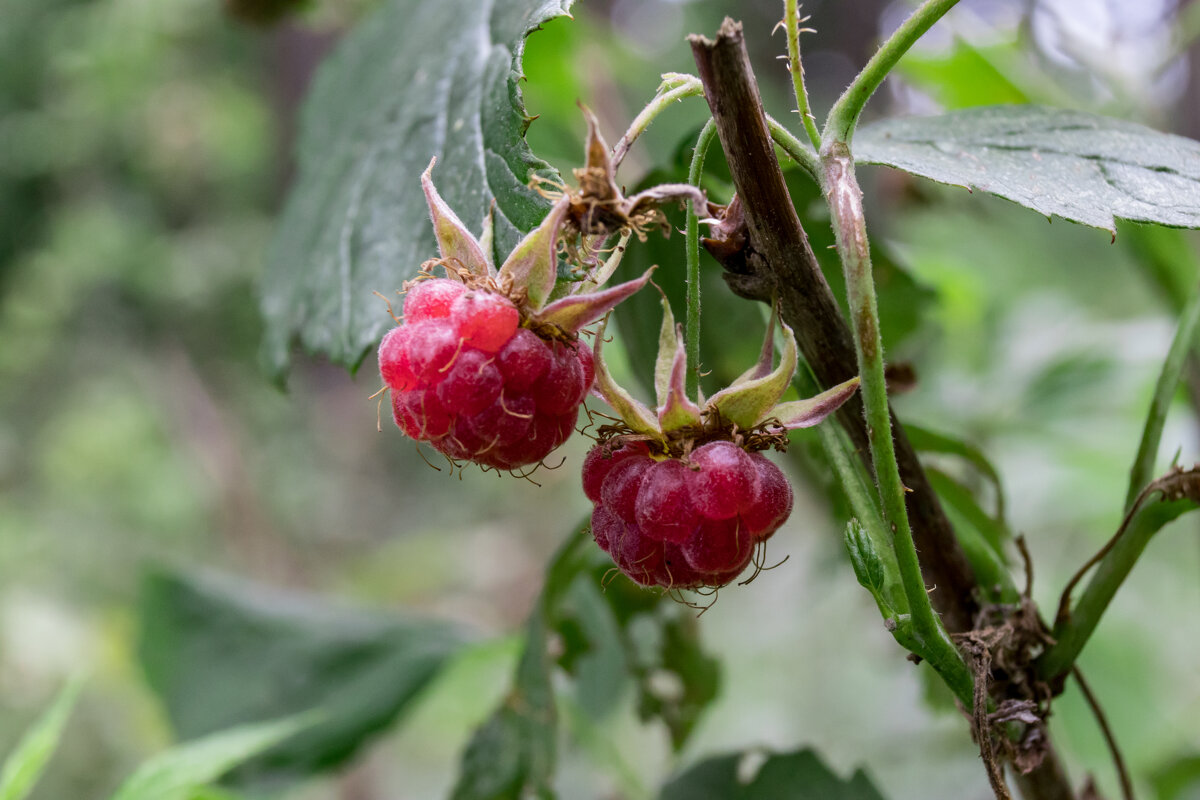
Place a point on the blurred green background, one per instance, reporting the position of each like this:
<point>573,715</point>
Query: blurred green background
<point>143,155</point>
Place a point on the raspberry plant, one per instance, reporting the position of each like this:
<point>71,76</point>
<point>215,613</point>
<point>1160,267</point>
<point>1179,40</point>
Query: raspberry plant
<point>487,365</point>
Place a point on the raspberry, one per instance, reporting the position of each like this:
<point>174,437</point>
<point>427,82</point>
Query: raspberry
<point>467,379</point>
<point>683,524</point>
<point>420,415</point>
<point>507,420</point>
<point>718,545</point>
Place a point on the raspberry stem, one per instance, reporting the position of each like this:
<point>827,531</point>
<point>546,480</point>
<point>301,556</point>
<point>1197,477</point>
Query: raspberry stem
<point>692,317</point>
<point>792,22</point>
<point>849,225</point>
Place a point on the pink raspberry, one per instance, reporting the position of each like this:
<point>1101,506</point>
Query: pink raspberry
<point>466,378</point>
<point>683,524</point>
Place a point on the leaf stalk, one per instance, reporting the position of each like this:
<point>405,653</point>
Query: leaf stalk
<point>843,117</point>
<point>1142,471</point>
<point>675,87</point>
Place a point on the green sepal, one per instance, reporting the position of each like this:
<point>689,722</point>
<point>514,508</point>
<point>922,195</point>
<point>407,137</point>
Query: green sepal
<point>572,313</point>
<point>676,410</point>
<point>765,357</point>
<point>533,263</point>
<point>811,410</point>
<point>636,415</point>
<point>488,237</point>
<point>455,242</point>
<point>668,347</point>
<point>747,404</point>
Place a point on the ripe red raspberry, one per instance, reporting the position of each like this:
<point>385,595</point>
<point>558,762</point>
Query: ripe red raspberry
<point>683,524</point>
<point>466,378</point>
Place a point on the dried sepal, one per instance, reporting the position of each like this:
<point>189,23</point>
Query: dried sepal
<point>746,404</point>
<point>458,246</point>
<point>810,411</point>
<point>532,267</point>
<point>636,415</point>
<point>573,312</point>
<point>600,275</point>
<point>597,178</point>
<point>599,209</point>
<point>728,235</point>
<point>643,202</point>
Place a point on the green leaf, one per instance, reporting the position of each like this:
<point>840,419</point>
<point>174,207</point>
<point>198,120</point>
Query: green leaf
<point>982,537</point>
<point>967,75</point>
<point>26,763</point>
<point>180,771</point>
<point>1178,779</point>
<point>800,775</point>
<point>615,633</point>
<point>608,635</point>
<point>214,793</point>
<point>1082,167</point>
<point>868,566</point>
<point>222,653</point>
<point>677,680</point>
<point>927,440</point>
<point>593,644</point>
<point>513,754</point>
<point>411,81</point>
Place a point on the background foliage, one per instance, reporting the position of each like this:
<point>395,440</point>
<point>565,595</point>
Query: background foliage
<point>143,160</point>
